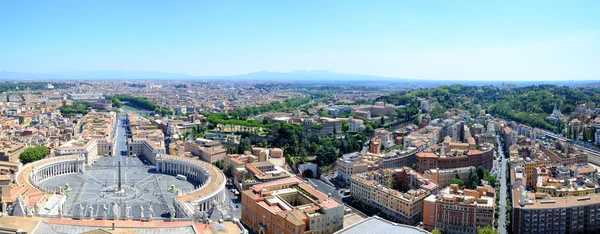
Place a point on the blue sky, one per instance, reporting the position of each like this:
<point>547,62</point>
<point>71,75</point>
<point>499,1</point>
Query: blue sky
<point>464,40</point>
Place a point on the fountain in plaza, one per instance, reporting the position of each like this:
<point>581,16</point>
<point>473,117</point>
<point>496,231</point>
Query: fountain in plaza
<point>67,187</point>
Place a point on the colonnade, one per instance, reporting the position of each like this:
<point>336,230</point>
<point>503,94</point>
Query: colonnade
<point>197,171</point>
<point>48,168</point>
<point>192,171</point>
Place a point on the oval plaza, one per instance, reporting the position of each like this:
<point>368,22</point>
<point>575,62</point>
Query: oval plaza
<point>129,183</point>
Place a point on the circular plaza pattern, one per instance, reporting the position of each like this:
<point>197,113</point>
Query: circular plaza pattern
<point>98,187</point>
<point>175,188</point>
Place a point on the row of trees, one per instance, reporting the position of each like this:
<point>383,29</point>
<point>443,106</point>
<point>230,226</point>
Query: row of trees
<point>139,102</point>
<point>11,86</point>
<point>137,85</point>
<point>480,230</point>
<point>249,111</point>
<point>78,107</point>
<point>33,154</point>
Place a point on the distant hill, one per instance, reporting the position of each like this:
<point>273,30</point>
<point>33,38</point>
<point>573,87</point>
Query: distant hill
<point>93,75</point>
<point>297,76</point>
<point>317,76</point>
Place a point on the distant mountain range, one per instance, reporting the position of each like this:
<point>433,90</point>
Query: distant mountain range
<point>92,75</point>
<point>318,76</point>
<point>147,75</point>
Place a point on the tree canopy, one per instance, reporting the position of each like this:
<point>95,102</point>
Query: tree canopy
<point>459,182</point>
<point>12,86</point>
<point>78,107</point>
<point>529,105</point>
<point>33,154</point>
<point>486,230</point>
<point>473,180</point>
<point>326,155</point>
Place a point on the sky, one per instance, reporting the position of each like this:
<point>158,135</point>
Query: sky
<point>439,40</point>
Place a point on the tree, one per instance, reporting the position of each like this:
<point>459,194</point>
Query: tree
<point>486,230</point>
<point>326,155</point>
<point>473,180</point>
<point>459,182</point>
<point>480,173</point>
<point>492,180</point>
<point>345,126</point>
<point>382,120</point>
<point>316,126</point>
<point>266,120</point>
<point>33,154</point>
<point>219,164</point>
<point>244,145</point>
<point>436,231</point>
<point>116,102</point>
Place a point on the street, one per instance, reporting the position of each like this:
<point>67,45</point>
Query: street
<point>502,178</point>
<point>325,188</point>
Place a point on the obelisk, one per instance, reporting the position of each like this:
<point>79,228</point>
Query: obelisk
<point>119,188</point>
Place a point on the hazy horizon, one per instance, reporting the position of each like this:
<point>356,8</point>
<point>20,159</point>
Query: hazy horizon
<point>489,41</point>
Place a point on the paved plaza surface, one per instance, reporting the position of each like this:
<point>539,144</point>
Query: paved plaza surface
<point>141,186</point>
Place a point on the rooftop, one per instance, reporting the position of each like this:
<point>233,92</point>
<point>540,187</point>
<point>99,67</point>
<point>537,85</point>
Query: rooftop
<point>377,225</point>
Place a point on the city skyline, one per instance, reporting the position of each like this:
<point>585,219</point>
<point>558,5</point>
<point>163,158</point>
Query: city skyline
<point>535,40</point>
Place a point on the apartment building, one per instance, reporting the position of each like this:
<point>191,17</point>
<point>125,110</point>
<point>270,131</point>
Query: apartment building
<point>378,109</point>
<point>350,164</point>
<point>211,151</point>
<point>565,153</point>
<point>422,138</point>
<point>443,177</point>
<point>92,149</point>
<point>94,137</point>
<point>290,206</point>
<point>146,139</point>
<point>397,193</point>
<point>510,137</point>
<point>455,156</point>
<point>458,211</point>
<point>529,158</point>
<point>356,125</point>
<point>542,213</point>
<point>10,151</point>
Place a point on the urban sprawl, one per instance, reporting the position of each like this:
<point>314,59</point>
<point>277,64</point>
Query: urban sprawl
<point>279,158</point>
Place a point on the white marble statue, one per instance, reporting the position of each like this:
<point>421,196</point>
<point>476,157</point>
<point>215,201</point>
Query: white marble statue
<point>127,211</point>
<point>116,211</point>
<point>91,212</point>
<point>150,212</point>
<point>81,211</point>
<point>141,212</point>
<point>104,212</point>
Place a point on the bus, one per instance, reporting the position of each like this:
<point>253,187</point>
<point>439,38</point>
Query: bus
<point>181,177</point>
